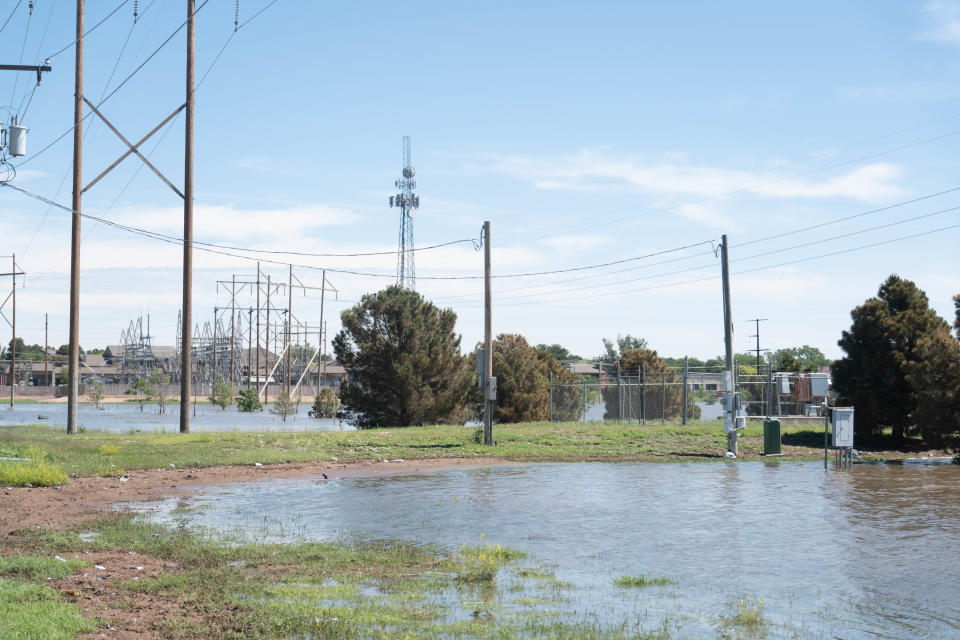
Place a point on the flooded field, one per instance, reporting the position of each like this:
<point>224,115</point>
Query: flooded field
<point>868,553</point>
<point>124,417</point>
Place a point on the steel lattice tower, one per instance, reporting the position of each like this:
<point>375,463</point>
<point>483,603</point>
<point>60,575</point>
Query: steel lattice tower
<point>408,202</point>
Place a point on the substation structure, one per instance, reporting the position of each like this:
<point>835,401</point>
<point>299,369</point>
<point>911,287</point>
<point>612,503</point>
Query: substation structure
<point>258,340</point>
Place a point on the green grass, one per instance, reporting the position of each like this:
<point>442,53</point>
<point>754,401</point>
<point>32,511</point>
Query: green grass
<point>641,581</point>
<point>38,568</point>
<point>91,452</point>
<point>29,611</point>
<point>35,470</point>
<point>309,590</point>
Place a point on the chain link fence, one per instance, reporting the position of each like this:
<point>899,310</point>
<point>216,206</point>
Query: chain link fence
<point>681,394</point>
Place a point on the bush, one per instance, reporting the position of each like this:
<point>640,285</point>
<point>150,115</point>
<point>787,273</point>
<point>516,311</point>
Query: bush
<point>38,473</point>
<point>249,400</point>
<point>480,564</point>
<point>325,404</point>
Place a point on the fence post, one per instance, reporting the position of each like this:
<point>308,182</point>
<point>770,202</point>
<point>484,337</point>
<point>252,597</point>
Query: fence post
<point>683,409</point>
<point>663,397</point>
<point>643,396</point>
<point>619,395</point>
<point>770,389</point>
<point>550,410</point>
<point>583,404</point>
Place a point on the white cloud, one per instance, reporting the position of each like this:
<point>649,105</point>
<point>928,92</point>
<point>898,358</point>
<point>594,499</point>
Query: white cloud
<point>594,170</point>
<point>708,215</point>
<point>944,19</point>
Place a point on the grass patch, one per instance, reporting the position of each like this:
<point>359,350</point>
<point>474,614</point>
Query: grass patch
<point>481,564</point>
<point>309,590</point>
<point>38,568</point>
<point>85,453</point>
<point>34,473</point>
<point>30,610</point>
<point>642,581</point>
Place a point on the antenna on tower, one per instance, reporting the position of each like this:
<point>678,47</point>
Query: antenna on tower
<point>408,203</point>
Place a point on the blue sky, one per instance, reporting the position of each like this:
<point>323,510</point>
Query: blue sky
<point>586,133</point>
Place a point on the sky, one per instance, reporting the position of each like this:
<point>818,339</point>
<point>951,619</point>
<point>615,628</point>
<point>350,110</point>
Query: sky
<point>819,137</point>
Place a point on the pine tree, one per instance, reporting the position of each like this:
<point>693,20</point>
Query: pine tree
<point>935,377</point>
<point>403,362</point>
<point>880,347</point>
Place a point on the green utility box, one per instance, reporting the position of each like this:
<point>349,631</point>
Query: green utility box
<point>771,436</point>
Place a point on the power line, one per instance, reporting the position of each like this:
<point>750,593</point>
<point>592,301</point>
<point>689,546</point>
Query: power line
<point>90,30</point>
<point>715,277</point>
<point>7,21</point>
<point>759,185</point>
<point>844,219</point>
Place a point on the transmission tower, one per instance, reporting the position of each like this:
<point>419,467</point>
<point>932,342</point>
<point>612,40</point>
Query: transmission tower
<point>408,202</point>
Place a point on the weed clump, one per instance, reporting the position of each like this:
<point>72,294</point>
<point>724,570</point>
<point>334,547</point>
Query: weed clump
<point>641,581</point>
<point>481,564</point>
<point>35,471</point>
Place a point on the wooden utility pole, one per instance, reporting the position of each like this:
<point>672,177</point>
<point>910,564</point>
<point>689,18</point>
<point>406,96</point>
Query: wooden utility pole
<point>13,342</point>
<point>266,355</point>
<point>233,335</point>
<point>289,325</point>
<point>322,365</point>
<point>46,348</point>
<point>186,356</point>
<point>488,402</point>
<point>730,418</point>
<point>73,359</point>
<point>257,383</point>
<point>213,378</point>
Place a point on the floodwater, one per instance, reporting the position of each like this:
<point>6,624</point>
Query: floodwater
<point>124,417</point>
<point>867,553</point>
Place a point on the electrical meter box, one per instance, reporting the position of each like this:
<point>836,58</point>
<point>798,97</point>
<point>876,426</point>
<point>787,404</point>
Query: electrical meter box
<point>492,389</point>
<point>842,426</point>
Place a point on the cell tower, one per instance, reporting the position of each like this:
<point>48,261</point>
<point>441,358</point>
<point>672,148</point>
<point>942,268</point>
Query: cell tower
<point>408,202</point>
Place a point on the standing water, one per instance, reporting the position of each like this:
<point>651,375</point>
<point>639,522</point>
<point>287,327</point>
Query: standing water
<point>869,553</point>
<point>128,416</point>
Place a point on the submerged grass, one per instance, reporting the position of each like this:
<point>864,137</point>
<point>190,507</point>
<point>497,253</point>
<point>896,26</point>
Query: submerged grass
<point>91,452</point>
<point>306,591</point>
<point>642,581</point>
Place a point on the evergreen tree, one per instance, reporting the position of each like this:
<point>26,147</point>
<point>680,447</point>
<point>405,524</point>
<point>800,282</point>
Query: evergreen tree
<point>403,362</point>
<point>221,393</point>
<point>523,382</point>
<point>935,378</point>
<point>880,347</point>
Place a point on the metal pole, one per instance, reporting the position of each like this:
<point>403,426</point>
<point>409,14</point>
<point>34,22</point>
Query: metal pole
<point>728,339</point>
<point>643,395</point>
<point>233,335</point>
<point>187,349</point>
<point>487,339</point>
<point>663,397</point>
<point>550,410</point>
<point>73,362</point>
<point>583,403</point>
<point>13,343</point>
<point>619,394</point>
<point>683,409</point>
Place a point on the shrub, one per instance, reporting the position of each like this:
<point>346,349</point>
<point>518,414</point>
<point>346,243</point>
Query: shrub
<point>249,400</point>
<point>109,450</point>
<point>38,473</point>
<point>480,564</point>
<point>641,581</point>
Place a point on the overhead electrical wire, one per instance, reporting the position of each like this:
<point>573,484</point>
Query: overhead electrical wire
<point>119,86</point>
<point>90,30</point>
<point>28,97</point>
<point>10,17</point>
<point>717,276</point>
<point>754,187</point>
<point>23,47</point>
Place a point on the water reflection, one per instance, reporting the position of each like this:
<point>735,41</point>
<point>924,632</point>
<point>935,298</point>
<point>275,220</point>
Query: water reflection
<point>867,553</point>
